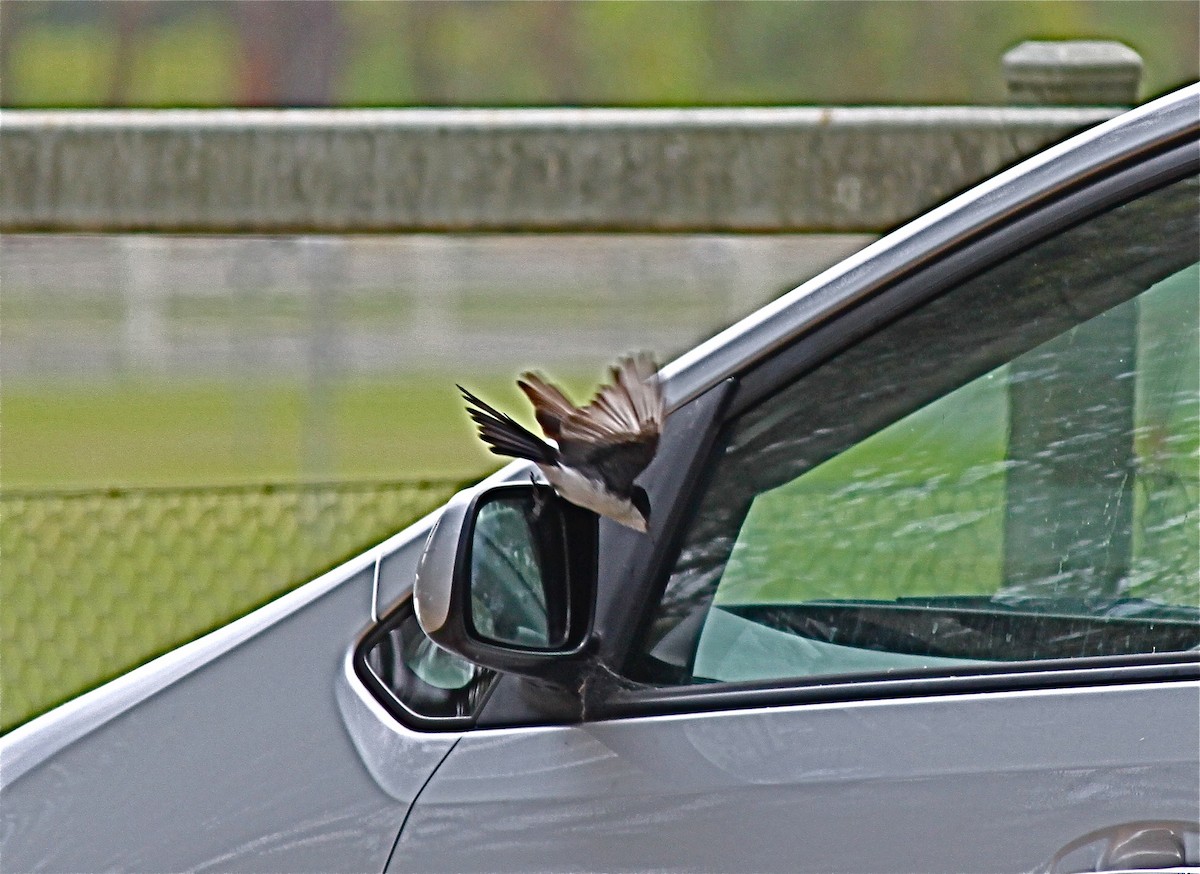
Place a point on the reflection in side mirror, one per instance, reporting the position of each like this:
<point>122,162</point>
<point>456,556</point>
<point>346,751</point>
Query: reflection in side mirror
<point>507,580</point>
<point>516,555</point>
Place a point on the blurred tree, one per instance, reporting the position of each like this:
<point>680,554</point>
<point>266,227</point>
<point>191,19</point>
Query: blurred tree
<point>505,52</point>
<point>291,52</point>
<point>419,27</point>
<point>10,24</point>
<point>556,33</point>
<point>128,19</point>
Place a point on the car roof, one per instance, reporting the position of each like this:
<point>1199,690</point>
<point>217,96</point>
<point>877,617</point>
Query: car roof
<point>988,204</point>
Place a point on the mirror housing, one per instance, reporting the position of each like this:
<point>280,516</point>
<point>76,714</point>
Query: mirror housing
<point>507,580</point>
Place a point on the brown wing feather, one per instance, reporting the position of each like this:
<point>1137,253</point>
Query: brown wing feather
<point>624,419</point>
<point>550,406</point>
<point>632,404</point>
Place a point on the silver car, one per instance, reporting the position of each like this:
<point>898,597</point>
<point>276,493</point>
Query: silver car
<point>921,592</point>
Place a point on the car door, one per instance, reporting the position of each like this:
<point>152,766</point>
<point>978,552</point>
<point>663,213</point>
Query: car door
<point>926,598</point>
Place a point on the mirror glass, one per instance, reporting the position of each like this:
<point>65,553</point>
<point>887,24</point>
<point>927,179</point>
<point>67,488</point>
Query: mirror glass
<point>518,578</point>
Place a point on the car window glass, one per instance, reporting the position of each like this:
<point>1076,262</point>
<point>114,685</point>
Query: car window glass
<point>1009,474</point>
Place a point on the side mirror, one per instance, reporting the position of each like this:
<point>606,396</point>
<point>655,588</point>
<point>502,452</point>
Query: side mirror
<point>508,581</point>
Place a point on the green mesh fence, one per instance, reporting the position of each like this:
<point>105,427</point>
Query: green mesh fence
<point>93,583</point>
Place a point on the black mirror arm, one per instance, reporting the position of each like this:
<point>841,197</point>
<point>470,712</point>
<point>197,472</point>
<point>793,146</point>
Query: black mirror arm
<point>570,693</point>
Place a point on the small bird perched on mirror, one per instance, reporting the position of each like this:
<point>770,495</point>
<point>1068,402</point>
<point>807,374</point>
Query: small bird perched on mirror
<point>601,448</point>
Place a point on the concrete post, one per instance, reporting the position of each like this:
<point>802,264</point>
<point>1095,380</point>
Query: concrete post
<point>1073,73</point>
<point>323,260</point>
<point>144,328</point>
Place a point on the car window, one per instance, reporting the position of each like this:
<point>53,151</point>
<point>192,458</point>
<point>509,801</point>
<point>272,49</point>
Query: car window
<point>420,684</point>
<point>1010,474</point>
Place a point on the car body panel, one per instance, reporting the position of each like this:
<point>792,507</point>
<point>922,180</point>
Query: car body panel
<point>245,758</point>
<point>981,782</point>
<point>243,764</point>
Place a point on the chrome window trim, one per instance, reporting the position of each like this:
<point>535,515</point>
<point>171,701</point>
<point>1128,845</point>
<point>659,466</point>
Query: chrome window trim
<point>1011,677</point>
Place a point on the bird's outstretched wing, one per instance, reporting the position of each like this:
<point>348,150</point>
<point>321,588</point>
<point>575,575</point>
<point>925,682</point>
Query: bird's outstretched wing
<point>632,404</point>
<point>617,433</point>
<point>504,436</point>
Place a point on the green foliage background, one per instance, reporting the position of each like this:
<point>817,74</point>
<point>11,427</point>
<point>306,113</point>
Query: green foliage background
<point>500,52</point>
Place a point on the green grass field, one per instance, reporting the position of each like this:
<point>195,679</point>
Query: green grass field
<point>209,433</point>
<point>98,581</point>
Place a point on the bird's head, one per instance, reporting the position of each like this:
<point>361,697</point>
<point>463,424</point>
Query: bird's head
<point>640,520</point>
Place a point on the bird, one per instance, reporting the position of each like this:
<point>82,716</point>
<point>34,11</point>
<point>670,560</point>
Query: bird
<point>598,449</point>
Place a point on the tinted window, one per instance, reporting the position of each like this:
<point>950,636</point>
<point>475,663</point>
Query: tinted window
<point>1008,474</point>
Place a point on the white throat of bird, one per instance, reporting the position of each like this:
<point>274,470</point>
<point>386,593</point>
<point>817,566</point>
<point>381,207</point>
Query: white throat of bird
<point>578,489</point>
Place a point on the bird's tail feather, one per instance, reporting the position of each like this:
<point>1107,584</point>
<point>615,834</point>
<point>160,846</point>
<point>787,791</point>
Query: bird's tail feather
<point>504,436</point>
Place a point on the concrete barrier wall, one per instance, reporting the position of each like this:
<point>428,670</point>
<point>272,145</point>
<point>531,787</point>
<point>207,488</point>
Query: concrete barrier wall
<point>543,170</point>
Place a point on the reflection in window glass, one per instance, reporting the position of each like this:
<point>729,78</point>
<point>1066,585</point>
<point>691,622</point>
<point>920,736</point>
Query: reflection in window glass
<point>1166,534</point>
<point>918,509</point>
<point>860,525</point>
<point>508,596</point>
